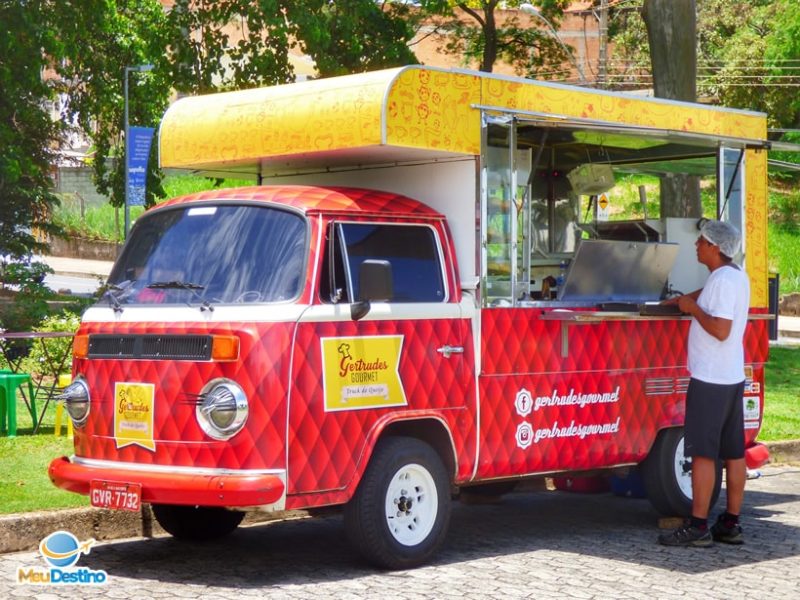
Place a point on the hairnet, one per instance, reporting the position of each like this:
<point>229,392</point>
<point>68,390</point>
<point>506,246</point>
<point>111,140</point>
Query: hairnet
<point>724,235</point>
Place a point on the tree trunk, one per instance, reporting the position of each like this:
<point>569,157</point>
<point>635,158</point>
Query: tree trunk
<point>672,34</point>
<point>490,39</point>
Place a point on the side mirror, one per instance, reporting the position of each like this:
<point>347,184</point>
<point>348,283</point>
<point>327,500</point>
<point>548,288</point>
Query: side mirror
<point>374,284</point>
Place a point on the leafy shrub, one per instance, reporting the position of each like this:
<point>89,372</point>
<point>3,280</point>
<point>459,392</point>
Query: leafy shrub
<point>28,306</point>
<point>23,273</point>
<point>37,359</point>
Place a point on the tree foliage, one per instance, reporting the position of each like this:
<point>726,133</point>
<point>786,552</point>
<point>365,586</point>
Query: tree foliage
<point>748,54</point>
<point>226,44</point>
<point>99,39</point>
<point>352,37</point>
<point>237,44</point>
<point>29,138</point>
<point>753,57</point>
<point>201,46</point>
<point>483,32</point>
<point>198,46</point>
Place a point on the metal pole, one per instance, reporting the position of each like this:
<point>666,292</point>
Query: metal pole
<point>603,51</point>
<point>125,159</point>
<point>530,9</point>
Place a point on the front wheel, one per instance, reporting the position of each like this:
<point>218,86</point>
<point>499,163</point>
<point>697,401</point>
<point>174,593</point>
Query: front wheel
<point>667,475</point>
<point>196,523</point>
<point>399,514</point>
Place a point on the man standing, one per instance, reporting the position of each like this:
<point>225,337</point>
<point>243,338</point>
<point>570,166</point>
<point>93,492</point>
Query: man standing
<point>714,425</point>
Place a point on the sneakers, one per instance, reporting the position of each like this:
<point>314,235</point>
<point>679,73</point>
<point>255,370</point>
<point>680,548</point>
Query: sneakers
<point>726,535</point>
<point>687,536</point>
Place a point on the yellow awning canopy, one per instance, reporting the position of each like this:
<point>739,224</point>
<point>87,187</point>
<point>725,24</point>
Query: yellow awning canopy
<point>395,115</point>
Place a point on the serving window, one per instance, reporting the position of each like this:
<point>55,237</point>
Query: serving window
<point>548,184</point>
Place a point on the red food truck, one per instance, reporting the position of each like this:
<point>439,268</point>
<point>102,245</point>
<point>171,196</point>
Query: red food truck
<point>429,288</point>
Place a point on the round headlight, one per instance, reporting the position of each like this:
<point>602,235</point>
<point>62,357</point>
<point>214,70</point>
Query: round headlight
<point>76,400</point>
<point>223,409</point>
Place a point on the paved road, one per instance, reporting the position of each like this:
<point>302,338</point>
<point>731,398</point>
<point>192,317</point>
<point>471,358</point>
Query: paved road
<point>77,284</point>
<point>535,545</point>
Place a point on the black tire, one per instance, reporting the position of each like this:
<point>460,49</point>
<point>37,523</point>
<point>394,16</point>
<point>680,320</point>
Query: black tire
<point>419,527</point>
<point>196,523</point>
<point>666,475</point>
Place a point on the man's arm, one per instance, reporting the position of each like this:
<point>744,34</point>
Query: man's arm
<point>718,327</point>
<point>674,300</point>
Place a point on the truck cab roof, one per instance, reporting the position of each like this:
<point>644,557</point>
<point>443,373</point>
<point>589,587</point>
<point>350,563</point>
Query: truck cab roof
<point>317,200</point>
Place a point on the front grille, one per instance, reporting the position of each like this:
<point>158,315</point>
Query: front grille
<point>151,347</point>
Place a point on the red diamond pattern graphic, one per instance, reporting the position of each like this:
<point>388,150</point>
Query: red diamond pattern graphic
<point>327,450</point>
<point>520,350</point>
<point>262,372</point>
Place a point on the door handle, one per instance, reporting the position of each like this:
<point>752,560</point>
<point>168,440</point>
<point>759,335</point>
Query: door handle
<point>447,350</point>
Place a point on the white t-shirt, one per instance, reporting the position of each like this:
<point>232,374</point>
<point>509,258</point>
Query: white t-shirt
<point>725,295</point>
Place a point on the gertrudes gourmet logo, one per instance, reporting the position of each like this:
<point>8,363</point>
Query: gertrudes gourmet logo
<point>133,414</point>
<point>362,372</point>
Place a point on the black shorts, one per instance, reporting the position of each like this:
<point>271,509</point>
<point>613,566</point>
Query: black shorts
<point>714,426</point>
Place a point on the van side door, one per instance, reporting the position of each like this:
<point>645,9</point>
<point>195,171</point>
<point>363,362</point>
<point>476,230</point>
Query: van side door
<point>408,358</point>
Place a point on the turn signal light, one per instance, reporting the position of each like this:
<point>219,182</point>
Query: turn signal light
<point>80,346</point>
<point>224,347</point>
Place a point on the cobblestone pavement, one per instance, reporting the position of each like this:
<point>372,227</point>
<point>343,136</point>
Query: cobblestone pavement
<point>533,545</point>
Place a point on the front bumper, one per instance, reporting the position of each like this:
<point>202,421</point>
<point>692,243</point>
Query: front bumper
<point>201,487</point>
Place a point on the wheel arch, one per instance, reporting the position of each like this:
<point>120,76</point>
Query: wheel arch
<point>433,432</point>
<point>430,429</point>
<point>661,430</point>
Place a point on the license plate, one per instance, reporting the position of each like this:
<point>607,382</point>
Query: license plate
<point>116,495</point>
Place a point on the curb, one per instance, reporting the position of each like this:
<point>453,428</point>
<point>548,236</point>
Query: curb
<point>22,532</point>
<point>784,452</point>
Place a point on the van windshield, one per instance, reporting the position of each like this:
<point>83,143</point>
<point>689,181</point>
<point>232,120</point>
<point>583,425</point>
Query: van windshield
<point>224,254</point>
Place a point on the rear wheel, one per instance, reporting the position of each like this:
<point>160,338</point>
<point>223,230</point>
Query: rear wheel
<point>196,523</point>
<point>399,514</point>
<point>667,475</point>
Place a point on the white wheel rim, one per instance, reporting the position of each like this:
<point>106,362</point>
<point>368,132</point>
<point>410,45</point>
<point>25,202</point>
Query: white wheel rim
<point>411,505</point>
<point>683,476</point>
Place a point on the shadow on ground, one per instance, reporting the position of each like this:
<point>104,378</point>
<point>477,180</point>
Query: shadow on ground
<point>315,550</point>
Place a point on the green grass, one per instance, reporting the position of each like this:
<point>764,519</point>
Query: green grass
<point>179,185</point>
<point>626,203</point>
<point>24,484</point>
<point>25,487</point>
<point>98,223</point>
<point>782,401</point>
<point>106,222</point>
<point>784,252</point>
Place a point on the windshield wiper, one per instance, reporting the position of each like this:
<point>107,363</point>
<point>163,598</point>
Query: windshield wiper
<point>113,301</point>
<point>194,288</point>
